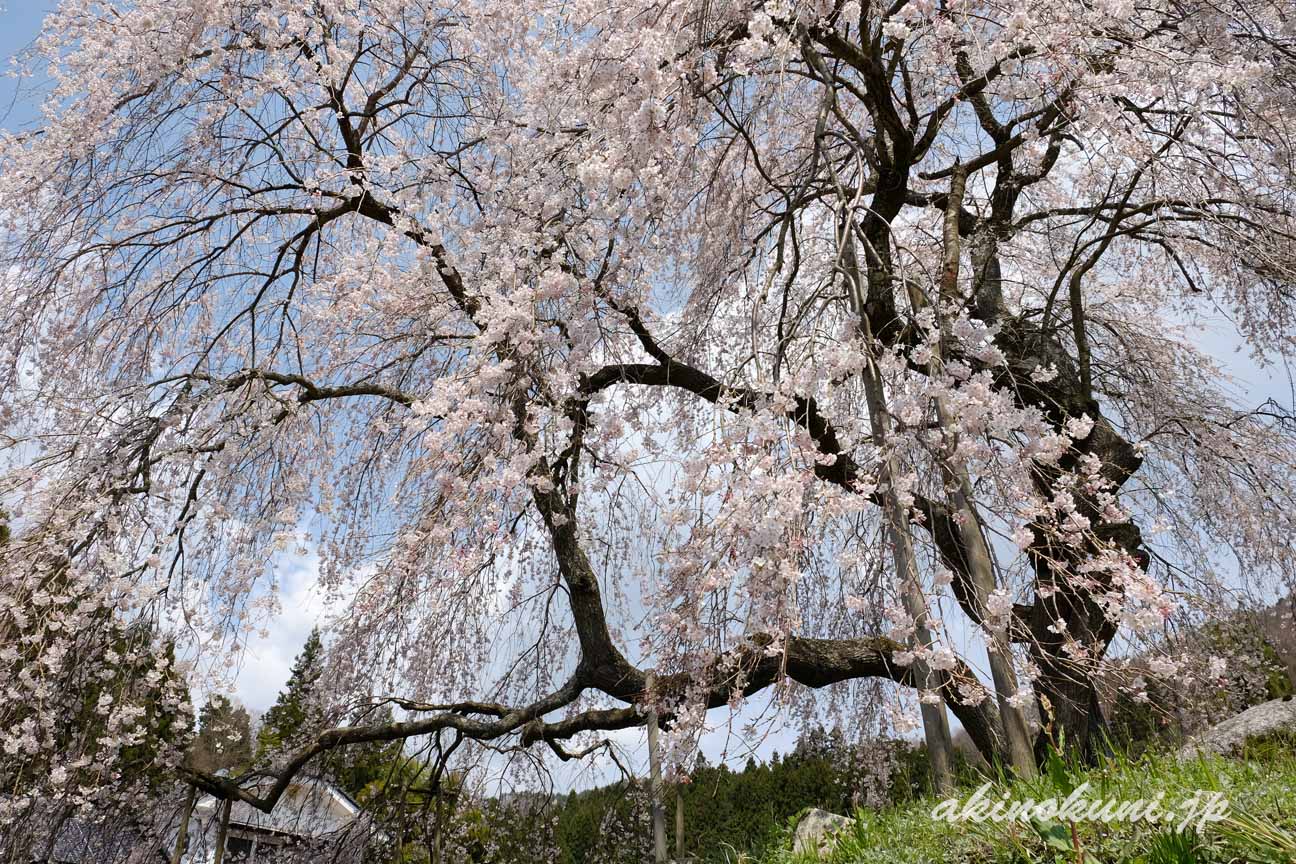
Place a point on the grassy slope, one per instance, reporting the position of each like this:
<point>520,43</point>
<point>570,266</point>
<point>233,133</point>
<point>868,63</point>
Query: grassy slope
<point>1261,825</point>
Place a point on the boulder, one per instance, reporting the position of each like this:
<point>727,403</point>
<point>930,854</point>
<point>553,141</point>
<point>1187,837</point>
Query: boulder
<point>1229,736</point>
<point>816,830</point>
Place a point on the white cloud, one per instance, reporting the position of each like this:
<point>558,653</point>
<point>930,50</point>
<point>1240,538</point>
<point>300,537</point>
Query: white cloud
<point>264,663</point>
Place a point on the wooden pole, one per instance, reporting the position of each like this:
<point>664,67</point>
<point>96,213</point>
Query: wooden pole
<point>655,784</point>
<point>679,823</point>
<point>182,837</point>
<point>222,832</point>
<point>897,531</point>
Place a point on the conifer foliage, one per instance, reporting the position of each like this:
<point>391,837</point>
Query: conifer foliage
<point>297,709</point>
<point>224,739</point>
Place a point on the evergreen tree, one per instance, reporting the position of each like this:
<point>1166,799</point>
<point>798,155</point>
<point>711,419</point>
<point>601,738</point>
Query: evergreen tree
<point>367,771</point>
<point>361,771</point>
<point>224,740</point>
<point>144,680</point>
<point>293,712</point>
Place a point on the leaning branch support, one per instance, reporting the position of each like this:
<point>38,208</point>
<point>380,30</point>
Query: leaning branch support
<point>655,776</point>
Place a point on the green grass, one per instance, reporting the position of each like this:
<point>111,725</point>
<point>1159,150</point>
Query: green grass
<point>1260,787</point>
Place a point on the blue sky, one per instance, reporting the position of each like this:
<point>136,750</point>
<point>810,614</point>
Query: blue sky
<point>20,22</point>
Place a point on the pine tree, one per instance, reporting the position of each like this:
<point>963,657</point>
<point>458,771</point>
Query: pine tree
<point>292,713</point>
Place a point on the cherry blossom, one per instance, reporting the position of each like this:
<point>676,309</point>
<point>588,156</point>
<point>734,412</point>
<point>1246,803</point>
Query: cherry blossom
<point>749,347</point>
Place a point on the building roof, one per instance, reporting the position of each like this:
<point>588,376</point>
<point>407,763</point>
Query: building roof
<point>310,808</point>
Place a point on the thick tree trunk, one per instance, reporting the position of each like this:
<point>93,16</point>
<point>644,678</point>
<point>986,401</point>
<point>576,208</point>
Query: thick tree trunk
<point>1068,700</point>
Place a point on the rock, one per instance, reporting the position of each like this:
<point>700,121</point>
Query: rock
<point>815,831</point>
<point>1227,737</point>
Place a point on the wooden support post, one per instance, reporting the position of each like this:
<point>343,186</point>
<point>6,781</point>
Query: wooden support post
<point>679,823</point>
<point>182,838</point>
<point>222,832</point>
<point>655,784</point>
